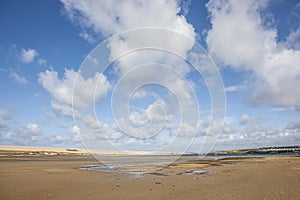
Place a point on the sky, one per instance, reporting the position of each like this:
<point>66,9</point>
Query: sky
<point>161,75</point>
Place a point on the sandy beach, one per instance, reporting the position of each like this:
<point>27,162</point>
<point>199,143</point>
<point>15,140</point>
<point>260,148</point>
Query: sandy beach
<point>60,177</point>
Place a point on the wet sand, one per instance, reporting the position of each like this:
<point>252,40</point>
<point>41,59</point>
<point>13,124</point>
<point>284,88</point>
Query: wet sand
<point>54,177</point>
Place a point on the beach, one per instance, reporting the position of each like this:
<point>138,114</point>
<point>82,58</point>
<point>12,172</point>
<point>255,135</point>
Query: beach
<point>73,177</point>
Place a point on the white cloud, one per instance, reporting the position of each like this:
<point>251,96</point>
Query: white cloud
<point>64,109</point>
<point>88,37</point>
<point>5,114</point>
<point>42,61</point>
<point>236,88</point>
<point>231,88</point>
<point>244,119</point>
<point>75,131</point>
<point>20,79</point>
<point>112,17</point>
<point>294,125</point>
<point>3,124</point>
<point>5,117</point>
<point>138,94</point>
<point>184,5</point>
<point>146,122</point>
<point>64,95</point>
<point>28,55</point>
<point>33,128</point>
<point>210,127</point>
<point>12,133</point>
<point>292,41</point>
<point>25,135</point>
<point>256,134</point>
<point>239,38</point>
<point>56,139</point>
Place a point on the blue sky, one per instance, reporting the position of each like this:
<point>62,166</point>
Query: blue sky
<point>150,99</point>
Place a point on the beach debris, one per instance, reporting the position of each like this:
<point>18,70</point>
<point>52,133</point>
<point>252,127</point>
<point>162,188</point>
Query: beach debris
<point>198,172</point>
<point>72,150</point>
<point>157,173</point>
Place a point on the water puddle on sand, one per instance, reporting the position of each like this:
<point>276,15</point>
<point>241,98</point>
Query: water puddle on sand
<point>149,165</point>
<point>141,170</point>
<point>137,169</point>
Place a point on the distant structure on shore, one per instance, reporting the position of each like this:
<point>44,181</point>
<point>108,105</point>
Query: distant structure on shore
<point>289,149</point>
<point>263,150</point>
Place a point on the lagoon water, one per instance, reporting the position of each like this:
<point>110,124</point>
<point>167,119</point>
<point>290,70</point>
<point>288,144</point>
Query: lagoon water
<point>118,163</point>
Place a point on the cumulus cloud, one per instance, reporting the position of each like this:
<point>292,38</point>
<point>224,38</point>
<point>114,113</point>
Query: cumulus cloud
<point>42,61</point>
<point>184,5</point>
<point>111,17</point>
<point>29,134</point>
<point>32,128</point>
<point>5,114</point>
<point>88,37</point>
<point>244,119</point>
<point>20,79</point>
<point>231,88</point>
<point>64,95</point>
<point>98,130</point>
<point>28,55</point>
<point>235,88</point>
<point>12,133</point>
<point>3,124</point>
<point>56,139</point>
<point>294,125</point>
<point>32,135</point>
<point>5,117</point>
<point>241,39</point>
<point>108,18</point>
<point>146,122</point>
<point>255,134</point>
<point>292,41</point>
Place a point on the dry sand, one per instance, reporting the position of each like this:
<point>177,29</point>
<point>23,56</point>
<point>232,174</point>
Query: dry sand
<point>59,177</point>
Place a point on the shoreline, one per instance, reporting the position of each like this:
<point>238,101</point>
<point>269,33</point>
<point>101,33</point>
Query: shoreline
<point>39,150</point>
<point>10,150</point>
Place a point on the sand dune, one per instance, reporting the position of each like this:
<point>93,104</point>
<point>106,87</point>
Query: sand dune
<point>49,150</point>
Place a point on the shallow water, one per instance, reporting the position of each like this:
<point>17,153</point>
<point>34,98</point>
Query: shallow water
<point>139,165</point>
<point>105,168</point>
<point>148,164</point>
<point>135,165</point>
